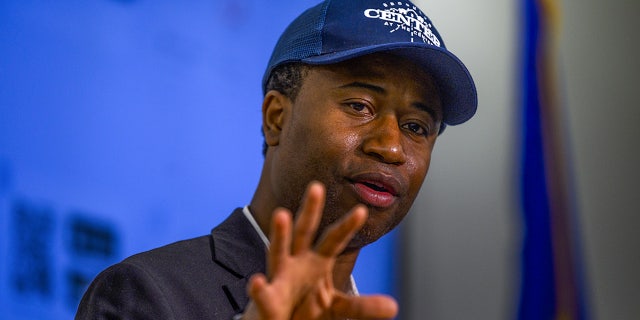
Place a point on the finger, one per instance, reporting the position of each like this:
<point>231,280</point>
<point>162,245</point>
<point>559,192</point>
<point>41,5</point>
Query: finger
<point>364,307</point>
<point>338,235</point>
<point>256,284</point>
<point>264,304</point>
<point>280,240</point>
<point>308,217</point>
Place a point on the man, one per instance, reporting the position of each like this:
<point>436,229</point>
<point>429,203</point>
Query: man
<point>356,93</point>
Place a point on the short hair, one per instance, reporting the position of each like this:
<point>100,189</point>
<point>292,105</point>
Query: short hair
<point>286,79</point>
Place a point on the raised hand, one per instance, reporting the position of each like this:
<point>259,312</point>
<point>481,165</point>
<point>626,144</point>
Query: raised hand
<point>300,272</point>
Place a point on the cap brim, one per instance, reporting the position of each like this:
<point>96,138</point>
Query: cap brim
<point>457,89</point>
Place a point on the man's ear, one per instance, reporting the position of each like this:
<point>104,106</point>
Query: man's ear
<point>275,108</point>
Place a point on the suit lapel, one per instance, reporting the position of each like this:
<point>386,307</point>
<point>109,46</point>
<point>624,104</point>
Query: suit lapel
<point>238,248</point>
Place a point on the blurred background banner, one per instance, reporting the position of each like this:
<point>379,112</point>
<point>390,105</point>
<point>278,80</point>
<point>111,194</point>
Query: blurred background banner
<point>126,125</point>
<point>551,277</point>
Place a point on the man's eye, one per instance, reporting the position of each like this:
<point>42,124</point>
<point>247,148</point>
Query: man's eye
<point>357,106</point>
<point>417,129</point>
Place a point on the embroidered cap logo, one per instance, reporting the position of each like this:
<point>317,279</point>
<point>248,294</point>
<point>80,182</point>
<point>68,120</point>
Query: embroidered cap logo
<point>407,17</point>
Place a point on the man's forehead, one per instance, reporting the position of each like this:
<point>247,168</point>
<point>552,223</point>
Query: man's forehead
<point>379,73</point>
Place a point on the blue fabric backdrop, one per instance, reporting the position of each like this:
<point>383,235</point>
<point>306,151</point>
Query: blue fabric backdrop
<point>125,125</point>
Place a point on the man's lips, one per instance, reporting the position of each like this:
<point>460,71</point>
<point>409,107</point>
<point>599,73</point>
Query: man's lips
<point>376,189</point>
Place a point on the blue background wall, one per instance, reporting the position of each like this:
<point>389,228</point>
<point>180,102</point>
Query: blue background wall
<point>125,125</point>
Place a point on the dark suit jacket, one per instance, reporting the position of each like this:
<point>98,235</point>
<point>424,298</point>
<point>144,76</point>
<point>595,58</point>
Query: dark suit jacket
<point>200,278</point>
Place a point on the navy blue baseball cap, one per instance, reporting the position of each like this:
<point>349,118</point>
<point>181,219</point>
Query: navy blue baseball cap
<point>338,30</point>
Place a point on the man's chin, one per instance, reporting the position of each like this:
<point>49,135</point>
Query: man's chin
<point>361,240</point>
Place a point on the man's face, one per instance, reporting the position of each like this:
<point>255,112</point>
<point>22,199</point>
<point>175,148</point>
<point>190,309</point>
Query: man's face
<point>365,128</point>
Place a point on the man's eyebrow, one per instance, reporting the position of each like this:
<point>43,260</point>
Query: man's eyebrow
<point>431,111</point>
<point>363,85</point>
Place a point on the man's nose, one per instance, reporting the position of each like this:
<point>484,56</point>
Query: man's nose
<point>384,140</point>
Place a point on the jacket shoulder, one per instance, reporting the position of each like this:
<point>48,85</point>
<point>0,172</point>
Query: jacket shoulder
<point>199,278</point>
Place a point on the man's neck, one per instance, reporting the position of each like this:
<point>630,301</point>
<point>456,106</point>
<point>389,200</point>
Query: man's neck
<point>262,206</point>
<point>343,269</point>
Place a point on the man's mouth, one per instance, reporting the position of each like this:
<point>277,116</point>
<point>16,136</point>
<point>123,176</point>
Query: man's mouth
<point>375,186</point>
<point>379,192</point>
